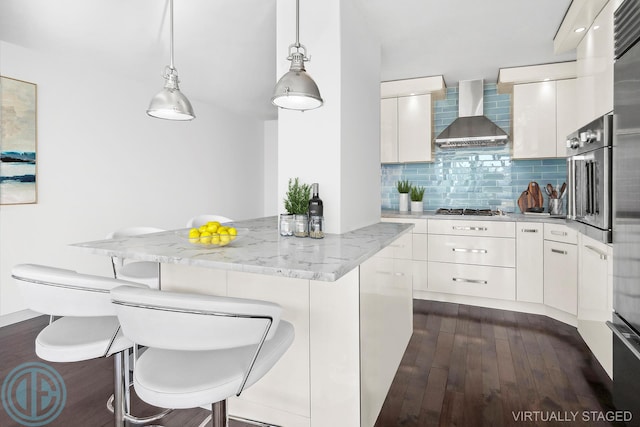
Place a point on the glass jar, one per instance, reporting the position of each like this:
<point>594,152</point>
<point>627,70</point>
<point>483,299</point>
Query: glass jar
<point>316,227</point>
<point>286,225</point>
<point>300,226</point>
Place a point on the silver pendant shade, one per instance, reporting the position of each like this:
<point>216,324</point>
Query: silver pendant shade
<point>170,103</point>
<point>296,90</point>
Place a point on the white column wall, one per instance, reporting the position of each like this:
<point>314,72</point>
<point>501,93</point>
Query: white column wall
<point>360,132</point>
<point>336,145</point>
<point>104,164</point>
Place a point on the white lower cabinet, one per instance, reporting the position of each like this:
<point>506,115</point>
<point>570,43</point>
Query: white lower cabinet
<point>561,276</point>
<point>472,280</point>
<point>494,251</point>
<point>419,250</point>
<point>516,264</point>
<point>595,292</point>
<point>595,298</point>
<point>529,262</point>
<point>472,258</point>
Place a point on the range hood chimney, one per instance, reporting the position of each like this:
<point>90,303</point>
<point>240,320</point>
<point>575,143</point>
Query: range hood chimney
<point>471,128</point>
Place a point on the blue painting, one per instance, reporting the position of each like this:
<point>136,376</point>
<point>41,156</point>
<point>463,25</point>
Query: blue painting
<point>18,100</point>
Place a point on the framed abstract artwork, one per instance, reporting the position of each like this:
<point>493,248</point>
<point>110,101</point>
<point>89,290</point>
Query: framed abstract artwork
<point>18,143</point>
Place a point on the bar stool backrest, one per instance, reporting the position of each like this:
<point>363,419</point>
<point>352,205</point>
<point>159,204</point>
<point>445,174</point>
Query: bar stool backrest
<point>191,322</point>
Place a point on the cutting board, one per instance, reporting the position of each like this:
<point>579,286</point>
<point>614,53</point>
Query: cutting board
<point>531,197</point>
<point>536,195</point>
<point>523,201</point>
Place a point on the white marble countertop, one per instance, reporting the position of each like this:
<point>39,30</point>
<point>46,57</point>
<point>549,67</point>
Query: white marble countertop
<point>517,217</point>
<point>261,251</point>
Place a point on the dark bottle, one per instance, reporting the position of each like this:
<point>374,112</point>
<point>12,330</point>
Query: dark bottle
<point>315,203</point>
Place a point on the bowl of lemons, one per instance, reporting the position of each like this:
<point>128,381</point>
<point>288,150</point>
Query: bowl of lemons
<point>213,234</point>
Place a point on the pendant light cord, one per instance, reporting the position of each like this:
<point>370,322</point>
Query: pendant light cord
<point>297,23</point>
<point>171,33</point>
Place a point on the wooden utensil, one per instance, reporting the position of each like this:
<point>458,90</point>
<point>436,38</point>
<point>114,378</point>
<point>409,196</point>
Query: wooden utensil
<point>563,189</point>
<point>549,189</point>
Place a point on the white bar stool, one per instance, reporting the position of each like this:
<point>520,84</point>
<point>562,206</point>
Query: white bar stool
<point>88,329</point>
<point>201,349</point>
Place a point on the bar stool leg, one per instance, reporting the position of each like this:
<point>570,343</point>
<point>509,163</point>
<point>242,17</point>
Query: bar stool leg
<point>119,389</point>
<point>219,414</point>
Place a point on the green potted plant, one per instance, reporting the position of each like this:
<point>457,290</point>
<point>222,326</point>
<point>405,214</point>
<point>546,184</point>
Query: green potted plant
<point>404,187</point>
<point>297,203</point>
<point>416,194</point>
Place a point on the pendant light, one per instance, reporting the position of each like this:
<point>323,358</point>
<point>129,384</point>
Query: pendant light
<point>170,103</point>
<point>296,90</point>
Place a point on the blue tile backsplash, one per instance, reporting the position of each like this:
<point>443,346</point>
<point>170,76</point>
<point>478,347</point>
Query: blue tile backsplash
<point>484,177</point>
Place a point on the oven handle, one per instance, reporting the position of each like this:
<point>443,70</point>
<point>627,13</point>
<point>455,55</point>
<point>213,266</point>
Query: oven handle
<point>625,337</point>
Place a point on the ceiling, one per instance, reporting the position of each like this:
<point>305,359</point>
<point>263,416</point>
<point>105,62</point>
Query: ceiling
<point>225,49</point>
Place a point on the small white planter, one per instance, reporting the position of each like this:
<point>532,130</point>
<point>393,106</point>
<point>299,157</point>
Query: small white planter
<point>404,202</point>
<point>417,206</point>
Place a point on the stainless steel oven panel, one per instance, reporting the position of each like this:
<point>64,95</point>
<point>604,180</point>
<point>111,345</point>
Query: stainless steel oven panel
<point>589,180</point>
<point>592,181</point>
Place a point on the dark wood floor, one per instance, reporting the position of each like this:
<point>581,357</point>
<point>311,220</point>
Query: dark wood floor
<point>464,366</point>
<point>473,366</point>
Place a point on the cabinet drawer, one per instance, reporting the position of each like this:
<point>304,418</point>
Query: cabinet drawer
<point>472,280</point>
<point>472,228</point>
<point>401,248</point>
<point>560,233</point>
<point>472,250</point>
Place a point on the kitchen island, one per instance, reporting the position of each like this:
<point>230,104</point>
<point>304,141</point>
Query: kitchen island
<point>348,298</point>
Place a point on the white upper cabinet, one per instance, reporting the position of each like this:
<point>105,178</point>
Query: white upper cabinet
<point>405,129</point>
<point>566,114</point>
<point>389,130</point>
<point>543,116</point>
<point>406,119</point>
<point>534,120</point>
<point>595,68</point>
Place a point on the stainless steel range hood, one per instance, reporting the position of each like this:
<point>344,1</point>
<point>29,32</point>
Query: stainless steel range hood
<point>471,128</point>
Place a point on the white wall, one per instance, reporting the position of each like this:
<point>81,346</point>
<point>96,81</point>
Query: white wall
<point>360,131</point>
<point>336,145</point>
<point>104,164</point>
<point>271,204</point>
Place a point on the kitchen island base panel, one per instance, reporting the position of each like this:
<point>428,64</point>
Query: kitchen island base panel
<point>285,389</point>
<point>344,355</point>
<point>386,303</point>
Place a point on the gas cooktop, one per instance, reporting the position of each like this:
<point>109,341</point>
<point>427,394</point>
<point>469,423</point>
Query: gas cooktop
<point>479,212</point>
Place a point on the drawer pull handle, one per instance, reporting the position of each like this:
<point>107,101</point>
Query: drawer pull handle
<point>473,251</point>
<point>529,230</point>
<point>559,251</point>
<point>399,274</point>
<point>603,256</point>
<point>460,279</point>
<point>386,273</point>
<point>458,227</point>
<point>559,233</point>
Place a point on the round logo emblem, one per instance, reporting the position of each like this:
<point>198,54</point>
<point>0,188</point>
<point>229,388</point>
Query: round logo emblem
<point>33,394</point>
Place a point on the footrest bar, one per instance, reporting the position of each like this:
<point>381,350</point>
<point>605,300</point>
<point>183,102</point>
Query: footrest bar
<point>207,421</point>
<point>138,420</point>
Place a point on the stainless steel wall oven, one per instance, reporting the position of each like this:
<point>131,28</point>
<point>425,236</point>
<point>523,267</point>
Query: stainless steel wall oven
<point>589,180</point>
